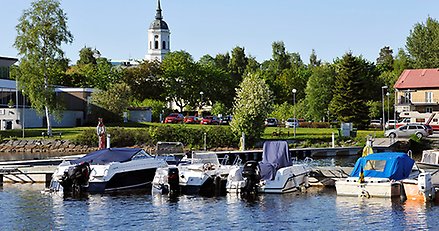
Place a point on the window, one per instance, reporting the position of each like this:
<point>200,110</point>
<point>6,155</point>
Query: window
<point>156,45</point>
<point>377,165</point>
<point>164,45</point>
<point>408,97</point>
<point>150,45</point>
<point>429,97</point>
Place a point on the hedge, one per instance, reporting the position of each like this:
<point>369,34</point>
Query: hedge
<point>216,136</point>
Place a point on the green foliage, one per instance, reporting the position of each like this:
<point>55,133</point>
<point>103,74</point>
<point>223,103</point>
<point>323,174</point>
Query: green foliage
<point>349,96</point>
<point>144,81</point>
<point>219,108</point>
<point>180,78</point>
<point>191,137</point>
<point>422,44</point>
<point>374,109</point>
<point>41,31</point>
<point>282,111</point>
<point>237,64</point>
<point>252,104</point>
<point>86,56</point>
<point>116,99</point>
<point>319,92</point>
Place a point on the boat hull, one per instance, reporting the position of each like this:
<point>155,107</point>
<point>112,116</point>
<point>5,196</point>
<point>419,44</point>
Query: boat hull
<point>139,179</point>
<point>371,188</point>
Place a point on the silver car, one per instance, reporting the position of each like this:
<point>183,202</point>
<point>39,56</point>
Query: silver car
<point>407,131</point>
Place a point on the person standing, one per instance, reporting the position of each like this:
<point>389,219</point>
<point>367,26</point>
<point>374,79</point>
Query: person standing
<point>100,129</point>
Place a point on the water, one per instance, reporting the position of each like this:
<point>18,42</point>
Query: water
<point>24,207</point>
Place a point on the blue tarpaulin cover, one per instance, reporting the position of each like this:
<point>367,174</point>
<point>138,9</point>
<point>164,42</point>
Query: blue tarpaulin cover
<point>275,156</point>
<point>108,155</point>
<point>397,166</point>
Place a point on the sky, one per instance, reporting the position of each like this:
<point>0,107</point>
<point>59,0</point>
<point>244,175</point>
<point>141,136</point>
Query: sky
<point>118,29</point>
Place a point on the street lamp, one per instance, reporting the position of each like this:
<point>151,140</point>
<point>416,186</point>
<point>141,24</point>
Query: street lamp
<point>382,94</point>
<point>294,107</point>
<point>388,105</point>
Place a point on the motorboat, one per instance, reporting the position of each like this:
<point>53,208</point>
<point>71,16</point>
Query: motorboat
<point>106,170</point>
<point>420,189</point>
<point>377,175</point>
<point>201,173</point>
<point>276,173</point>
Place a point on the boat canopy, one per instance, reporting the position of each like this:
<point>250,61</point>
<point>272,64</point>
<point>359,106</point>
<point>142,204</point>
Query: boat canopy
<point>275,156</point>
<point>392,165</point>
<point>109,155</point>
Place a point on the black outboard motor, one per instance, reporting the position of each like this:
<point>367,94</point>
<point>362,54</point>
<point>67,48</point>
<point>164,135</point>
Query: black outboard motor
<point>173,181</point>
<point>252,176</point>
<point>76,178</point>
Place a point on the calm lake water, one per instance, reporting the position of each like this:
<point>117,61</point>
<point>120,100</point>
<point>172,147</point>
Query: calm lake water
<point>24,207</point>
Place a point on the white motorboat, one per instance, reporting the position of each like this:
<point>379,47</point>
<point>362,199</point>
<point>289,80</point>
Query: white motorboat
<point>377,175</point>
<point>200,174</point>
<point>106,170</point>
<point>276,173</point>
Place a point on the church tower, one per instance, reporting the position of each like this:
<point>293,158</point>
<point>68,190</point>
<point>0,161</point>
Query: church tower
<point>158,37</point>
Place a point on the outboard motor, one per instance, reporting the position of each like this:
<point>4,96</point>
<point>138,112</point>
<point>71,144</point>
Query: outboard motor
<point>75,178</point>
<point>173,181</point>
<point>251,174</point>
<point>425,186</point>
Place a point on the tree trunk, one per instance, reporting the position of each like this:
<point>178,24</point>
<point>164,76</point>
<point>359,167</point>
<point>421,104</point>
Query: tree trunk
<point>49,126</point>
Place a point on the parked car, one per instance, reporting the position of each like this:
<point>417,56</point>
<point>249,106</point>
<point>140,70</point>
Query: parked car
<point>390,124</point>
<point>403,122</point>
<point>226,120</point>
<point>271,122</point>
<point>291,123</point>
<point>174,118</point>
<point>429,129</point>
<point>210,120</point>
<point>191,120</point>
<point>407,130</point>
<point>375,124</point>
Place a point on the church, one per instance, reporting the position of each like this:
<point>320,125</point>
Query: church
<point>159,41</point>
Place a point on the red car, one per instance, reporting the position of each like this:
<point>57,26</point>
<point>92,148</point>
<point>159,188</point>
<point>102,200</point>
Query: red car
<point>190,120</point>
<point>210,120</point>
<point>174,118</point>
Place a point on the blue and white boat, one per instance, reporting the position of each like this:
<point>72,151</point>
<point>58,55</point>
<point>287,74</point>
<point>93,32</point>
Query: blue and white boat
<point>106,170</point>
<point>377,175</point>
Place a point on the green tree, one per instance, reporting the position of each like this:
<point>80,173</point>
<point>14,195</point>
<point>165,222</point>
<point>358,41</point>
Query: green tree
<point>313,61</point>
<point>252,104</point>
<point>280,56</point>
<point>115,99</point>
<point>219,108</point>
<point>348,102</point>
<point>319,91</point>
<point>86,56</point>
<point>144,80</point>
<point>237,64</point>
<point>180,79</point>
<point>423,44</point>
<point>41,31</point>
<point>385,59</point>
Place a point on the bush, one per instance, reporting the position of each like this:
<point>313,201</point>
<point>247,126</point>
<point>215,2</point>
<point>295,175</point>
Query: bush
<point>217,136</point>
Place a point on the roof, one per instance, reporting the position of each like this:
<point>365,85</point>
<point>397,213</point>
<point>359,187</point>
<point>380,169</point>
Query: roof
<point>418,79</point>
<point>158,23</point>
<point>7,61</point>
<point>392,165</point>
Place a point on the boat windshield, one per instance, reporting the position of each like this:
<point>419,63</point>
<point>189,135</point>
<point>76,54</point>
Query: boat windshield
<point>204,158</point>
<point>141,155</point>
<point>377,165</point>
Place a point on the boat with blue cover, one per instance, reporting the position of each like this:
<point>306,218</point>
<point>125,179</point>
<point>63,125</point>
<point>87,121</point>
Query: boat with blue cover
<point>106,170</point>
<point>377,175</point>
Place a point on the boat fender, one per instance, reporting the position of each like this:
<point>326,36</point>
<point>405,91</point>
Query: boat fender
<point>364,194</point>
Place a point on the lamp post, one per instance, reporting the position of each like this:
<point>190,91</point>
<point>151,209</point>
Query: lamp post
<point>388,105</point>
<point>382,94</point>
<point>23,109</point>
<point>294,107</point>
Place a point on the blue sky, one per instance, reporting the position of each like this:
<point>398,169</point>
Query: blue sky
<point>332,27</point>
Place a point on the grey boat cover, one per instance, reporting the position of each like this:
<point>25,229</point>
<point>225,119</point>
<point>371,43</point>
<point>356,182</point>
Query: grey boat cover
<point>275,156</point>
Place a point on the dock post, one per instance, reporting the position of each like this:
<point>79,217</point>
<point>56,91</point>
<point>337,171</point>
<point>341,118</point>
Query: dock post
<point>1,180</point>
<point>333,140</point>
<point>48,180</point>
<point>108,140</point>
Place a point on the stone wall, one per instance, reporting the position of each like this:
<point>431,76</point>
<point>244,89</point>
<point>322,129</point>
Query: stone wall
<point>44,146</point>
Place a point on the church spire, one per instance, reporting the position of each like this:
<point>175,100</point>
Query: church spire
<point>158,15</point>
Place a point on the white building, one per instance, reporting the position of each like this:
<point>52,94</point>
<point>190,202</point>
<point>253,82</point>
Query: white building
<point>158,37</point>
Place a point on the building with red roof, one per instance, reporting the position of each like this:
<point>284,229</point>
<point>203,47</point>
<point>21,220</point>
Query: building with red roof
<point>417,90</point>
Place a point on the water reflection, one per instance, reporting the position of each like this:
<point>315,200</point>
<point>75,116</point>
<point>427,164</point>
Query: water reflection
<point>23,207</point>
